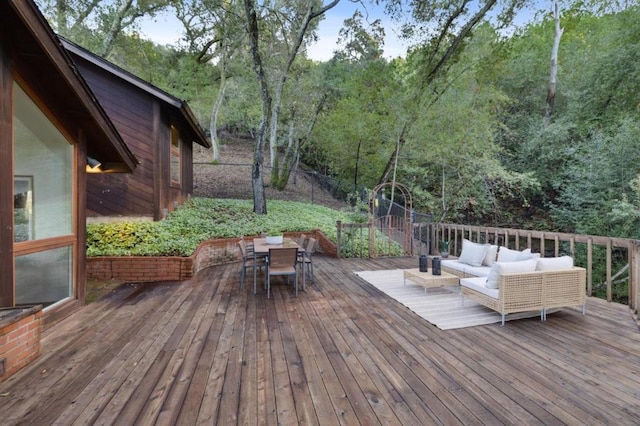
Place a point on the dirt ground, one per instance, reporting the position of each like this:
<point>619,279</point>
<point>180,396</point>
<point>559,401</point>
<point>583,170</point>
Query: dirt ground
<point>232,179</point>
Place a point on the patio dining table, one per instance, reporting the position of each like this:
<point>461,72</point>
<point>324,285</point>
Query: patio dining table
<point>261,249</point>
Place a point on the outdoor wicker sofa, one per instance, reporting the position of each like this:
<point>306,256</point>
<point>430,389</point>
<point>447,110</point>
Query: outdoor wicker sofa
<point>529,291</point>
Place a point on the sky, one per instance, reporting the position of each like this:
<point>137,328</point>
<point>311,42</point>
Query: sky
<point>165,29</point>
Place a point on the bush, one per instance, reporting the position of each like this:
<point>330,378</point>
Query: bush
<point>201,219</point>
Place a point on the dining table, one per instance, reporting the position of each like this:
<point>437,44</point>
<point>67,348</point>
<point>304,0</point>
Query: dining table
<point>261,249</point>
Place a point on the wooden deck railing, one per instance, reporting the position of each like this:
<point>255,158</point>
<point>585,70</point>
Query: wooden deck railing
<point>586,249</point>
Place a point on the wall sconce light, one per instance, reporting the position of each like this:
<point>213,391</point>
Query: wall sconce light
<point>93,165</point>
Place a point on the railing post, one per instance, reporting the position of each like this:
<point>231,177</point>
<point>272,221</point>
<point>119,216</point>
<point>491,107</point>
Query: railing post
<point>590,266</point>
<point>338,235</point>
<point>634,275</point>
<point>372,238</point>
<point>609,289</point>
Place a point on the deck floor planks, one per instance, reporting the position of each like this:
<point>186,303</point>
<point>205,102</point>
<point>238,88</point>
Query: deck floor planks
<point>210,331</point>
<point>248,413</point>
<point>97,394</point>
<point>230,395</point>
<point>337,394</point>
<point>87,356</point>
<point>181,364</point>
<point>317,364</point>
<point>209,410</point>
<point>525,385</point>
<point>200,327</point>
<point>378,371</point>
<point>487,390</point>
<point>293,344</point>
<point>569,358</point>
<point>443,407</point>
<point>379,405</point>
<point>342,347</point>
<point>127,404</point>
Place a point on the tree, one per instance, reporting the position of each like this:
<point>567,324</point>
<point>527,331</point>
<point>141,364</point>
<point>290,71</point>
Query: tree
<point>553,75</point>
<point>298,17</point>
<point>213,30</point>
<point>97,24</point>
<point>441,29</point>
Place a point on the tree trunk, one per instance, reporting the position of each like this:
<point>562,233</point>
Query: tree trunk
<point>257,182</point>
<point>213,127</point>
<point>551,93</point>
<point>297,42</point>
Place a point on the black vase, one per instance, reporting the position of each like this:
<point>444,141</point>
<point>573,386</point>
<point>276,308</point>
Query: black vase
<point>435,266</point>
<point>423,263</point>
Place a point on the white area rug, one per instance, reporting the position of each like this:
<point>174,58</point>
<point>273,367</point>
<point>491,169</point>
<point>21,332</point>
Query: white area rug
<point>442,307</point>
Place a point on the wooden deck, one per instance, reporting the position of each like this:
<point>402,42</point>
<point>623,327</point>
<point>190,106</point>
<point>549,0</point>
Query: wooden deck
<point>206,351</point>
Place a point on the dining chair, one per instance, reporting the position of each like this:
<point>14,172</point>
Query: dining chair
<point>282,261</point>
<point>301,240</point>
<point>307,256</point>
<point>249,261</point>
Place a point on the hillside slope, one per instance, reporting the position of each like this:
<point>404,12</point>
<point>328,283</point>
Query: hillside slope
<point>232,177</point>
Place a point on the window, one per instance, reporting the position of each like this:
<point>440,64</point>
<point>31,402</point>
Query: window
<point>43,168</point>
<point>176,170</point>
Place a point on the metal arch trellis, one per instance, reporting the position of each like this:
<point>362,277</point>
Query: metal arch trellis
<point>396,228</point>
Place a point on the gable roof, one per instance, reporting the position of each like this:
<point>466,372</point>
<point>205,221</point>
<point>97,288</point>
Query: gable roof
<point>49,70</point>
<point>179,108</point>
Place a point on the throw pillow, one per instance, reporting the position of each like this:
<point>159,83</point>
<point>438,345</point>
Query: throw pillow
<point>501,268</point>
<point>492,278</point>
<point>491,255</point>
<point>554,263</point>
<point>505,254</point>
<point>472,253</point>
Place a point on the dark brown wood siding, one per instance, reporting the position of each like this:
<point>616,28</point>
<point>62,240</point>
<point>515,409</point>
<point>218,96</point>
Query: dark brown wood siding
<point>131,111</point>
<point>144,123</point>
<point>6,180</point>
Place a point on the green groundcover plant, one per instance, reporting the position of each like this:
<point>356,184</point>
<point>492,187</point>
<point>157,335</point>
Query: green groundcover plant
<point>201,219</point>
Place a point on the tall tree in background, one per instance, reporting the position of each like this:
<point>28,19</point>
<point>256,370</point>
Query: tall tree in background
<point>96,24</point>
<point>298,17</point>
<point>439,30</point>
<point>214,32</point>
<point>553,75</point>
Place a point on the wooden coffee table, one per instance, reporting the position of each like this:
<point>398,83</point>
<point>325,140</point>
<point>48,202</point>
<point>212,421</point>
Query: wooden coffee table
<point>428,280</point>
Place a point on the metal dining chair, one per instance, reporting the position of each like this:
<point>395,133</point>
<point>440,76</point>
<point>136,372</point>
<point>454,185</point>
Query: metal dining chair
<point>306,257</point>
<point>282,261</point>
<point>249,261</point>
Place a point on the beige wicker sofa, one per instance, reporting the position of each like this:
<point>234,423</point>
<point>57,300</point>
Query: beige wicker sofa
<point>529,291</point>
<point>510,281</point>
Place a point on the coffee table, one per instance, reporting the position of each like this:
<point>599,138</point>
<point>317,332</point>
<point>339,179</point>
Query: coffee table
<point>428,280</point>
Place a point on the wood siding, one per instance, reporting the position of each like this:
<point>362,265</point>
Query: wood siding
<point>131,111</point>
<point>144,124</point>
<point>6,180</point>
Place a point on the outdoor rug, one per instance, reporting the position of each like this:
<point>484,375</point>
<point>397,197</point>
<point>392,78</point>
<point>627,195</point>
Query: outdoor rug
<point>441,306</point>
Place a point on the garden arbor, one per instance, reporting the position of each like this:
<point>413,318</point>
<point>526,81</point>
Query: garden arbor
<point>391,219</point>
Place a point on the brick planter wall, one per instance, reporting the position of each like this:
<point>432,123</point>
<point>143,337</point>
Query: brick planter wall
<point>20,331</point>
<point>209,253</point>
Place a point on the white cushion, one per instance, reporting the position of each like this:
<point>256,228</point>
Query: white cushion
<point>478,285</point>
<point>478,271</point>
<point>554,263</point>
<point>507,255</point>
<point>490,257</point>
<point>472,253</point>
<point>501,268</point>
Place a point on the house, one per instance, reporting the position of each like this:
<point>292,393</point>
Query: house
<point>50,125</point>
<point>158,128</point>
